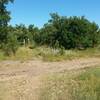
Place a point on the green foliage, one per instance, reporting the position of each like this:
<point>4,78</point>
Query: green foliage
<point>11,46</point>
<point>87,86</point>
<point>89,73</point>
<point>62,51</point>
<point>72,32</point>
<point>60,32</point>
<point>4,19</point>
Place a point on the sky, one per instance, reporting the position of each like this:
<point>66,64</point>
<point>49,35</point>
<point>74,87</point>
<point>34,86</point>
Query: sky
<point>37,12</point>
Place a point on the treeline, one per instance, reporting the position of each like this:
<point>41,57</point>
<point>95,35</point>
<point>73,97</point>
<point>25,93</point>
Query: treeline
<point>59,32</point>
<point>70,32</point>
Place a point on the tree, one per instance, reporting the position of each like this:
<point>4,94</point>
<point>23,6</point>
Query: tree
<point>12,44</point>
<point>33,33</point>
<point>72,32</point>
<point>4,19</point>
<point>22,34</point>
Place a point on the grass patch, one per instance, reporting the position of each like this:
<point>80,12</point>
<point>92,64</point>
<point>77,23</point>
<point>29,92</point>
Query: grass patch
<point>90,73</point>
<point>49,54</point>
<point>62,86</point>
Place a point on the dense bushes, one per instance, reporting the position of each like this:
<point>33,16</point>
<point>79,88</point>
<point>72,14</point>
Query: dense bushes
<point>72,32</point>
<point>11,46</point>
<point>60,32</point>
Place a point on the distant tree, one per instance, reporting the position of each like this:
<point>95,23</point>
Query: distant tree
<point>22,34</point>
<point>33,33</point>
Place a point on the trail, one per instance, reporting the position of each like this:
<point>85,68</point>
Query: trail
<point>10,69</point>
<point>20,80</point>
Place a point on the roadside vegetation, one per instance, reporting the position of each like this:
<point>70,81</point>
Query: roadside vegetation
<point>83,85</point>
<point>60,33</point>
<point>49,54</point>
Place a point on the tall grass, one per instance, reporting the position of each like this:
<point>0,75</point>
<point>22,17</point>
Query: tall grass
<point>85,86</point>
<point>49,54</point>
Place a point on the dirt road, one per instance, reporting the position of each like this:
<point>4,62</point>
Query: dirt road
<point>20,80</point>
<point>10,69</point>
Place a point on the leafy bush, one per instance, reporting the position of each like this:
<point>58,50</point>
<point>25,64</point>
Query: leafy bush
<point>11,46</point>
<point>72,32</point>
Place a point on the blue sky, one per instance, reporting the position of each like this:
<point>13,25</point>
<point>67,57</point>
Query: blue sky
<point>37,11</point>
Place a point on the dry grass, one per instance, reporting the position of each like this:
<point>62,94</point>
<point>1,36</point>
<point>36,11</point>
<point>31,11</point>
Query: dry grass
<point>85,86</point>
<point>20,88</point>
<point>55,86</point>
<point>48,54</point>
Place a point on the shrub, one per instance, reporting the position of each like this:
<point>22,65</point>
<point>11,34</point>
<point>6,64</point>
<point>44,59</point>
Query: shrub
<point>11,46</point>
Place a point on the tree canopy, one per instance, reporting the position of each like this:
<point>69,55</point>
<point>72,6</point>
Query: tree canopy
<point>4,19</point>
<point>60,31</point>
<point>70,32</point>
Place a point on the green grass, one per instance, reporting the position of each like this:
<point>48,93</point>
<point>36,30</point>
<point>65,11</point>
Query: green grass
<point>68,86</point>
<point>48,54</point>
<point>90,73</point>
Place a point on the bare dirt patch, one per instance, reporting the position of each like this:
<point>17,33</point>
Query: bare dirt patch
<point>36,68</point>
